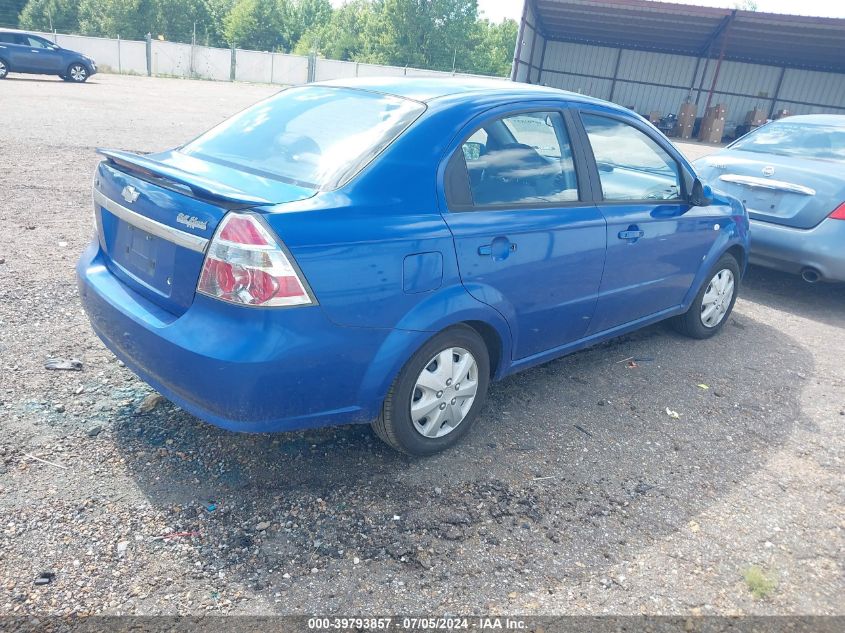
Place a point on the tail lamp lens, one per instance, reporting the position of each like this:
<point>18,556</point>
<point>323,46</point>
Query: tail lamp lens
<point>246,265</point>
<point>839,212</point>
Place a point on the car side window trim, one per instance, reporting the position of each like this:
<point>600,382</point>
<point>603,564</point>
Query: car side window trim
<point>593,165</point>
<point>456,200</point>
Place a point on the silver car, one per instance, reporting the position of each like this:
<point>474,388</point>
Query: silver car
<point>790,174</point>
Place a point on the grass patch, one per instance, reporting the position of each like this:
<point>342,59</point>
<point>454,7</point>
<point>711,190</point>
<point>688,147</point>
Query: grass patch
<point>759,583</point>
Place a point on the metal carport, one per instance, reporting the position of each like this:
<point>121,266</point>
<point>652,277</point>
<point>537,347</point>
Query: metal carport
<point>655,55</point>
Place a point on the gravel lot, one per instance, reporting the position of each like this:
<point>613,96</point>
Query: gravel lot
<point>576,493</point>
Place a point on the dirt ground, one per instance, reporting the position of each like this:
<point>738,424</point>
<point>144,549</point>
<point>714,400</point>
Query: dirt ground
<point>575,493</point>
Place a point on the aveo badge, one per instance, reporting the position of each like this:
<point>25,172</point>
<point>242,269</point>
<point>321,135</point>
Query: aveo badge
<point>191,221</point>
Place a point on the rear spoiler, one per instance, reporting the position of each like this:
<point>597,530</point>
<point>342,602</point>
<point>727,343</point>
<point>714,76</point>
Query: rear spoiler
<point>200,187</point>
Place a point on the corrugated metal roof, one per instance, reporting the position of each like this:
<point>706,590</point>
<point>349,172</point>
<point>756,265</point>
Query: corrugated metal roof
<point>764,38</point>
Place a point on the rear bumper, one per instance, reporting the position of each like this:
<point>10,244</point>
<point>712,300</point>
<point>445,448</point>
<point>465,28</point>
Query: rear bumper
<point>244,369</point>
<point>794,250</point>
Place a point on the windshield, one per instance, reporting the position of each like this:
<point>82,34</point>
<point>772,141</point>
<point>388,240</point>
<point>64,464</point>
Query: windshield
<point>794,139</point>
<point>316,137</point>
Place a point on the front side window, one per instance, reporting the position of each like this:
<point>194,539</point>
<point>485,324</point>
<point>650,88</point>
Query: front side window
<point>522,159</point>
<point>37,42</point>
<point>632,166</point>
<point>315,137</point>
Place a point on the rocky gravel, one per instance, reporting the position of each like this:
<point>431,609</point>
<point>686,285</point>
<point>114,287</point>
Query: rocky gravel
<point>576,493</point>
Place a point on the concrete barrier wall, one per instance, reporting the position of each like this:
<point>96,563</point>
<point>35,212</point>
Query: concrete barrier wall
<point>253,66</point>
<point>183,60</point>
<point>289,69</point>
<point>212,63</point>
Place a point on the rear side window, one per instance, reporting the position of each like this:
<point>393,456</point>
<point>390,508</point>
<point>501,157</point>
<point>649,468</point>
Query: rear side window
<point>6,38</point>
<point>315,137</point>
<point>520,160</point>
<point>632,166</point>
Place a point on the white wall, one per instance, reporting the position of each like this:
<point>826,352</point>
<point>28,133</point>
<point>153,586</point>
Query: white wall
<point>183,60</point>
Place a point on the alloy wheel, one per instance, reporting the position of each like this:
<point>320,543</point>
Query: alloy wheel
<point>3,69</point>
<point>78,72</point>
<point>444,392</point>
<point>717,298</point>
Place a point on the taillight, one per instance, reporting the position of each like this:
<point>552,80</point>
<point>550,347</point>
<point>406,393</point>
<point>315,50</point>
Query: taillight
<point>839,212</point>
<point>244,264</point>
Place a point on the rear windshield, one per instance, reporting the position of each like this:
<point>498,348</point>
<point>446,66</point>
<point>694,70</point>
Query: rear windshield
<point>796,139</point>
<point>315,137</point>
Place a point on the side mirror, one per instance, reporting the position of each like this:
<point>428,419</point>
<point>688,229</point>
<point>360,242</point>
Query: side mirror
<point>702,195</point>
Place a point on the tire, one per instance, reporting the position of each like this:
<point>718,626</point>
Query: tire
<point>76,73</point>
<point>431,428</point>
<point>714,302</point>
<point>4,69</point>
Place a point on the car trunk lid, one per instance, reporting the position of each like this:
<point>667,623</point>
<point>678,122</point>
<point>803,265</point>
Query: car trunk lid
<point>156,215</point>
<point>784,190</point>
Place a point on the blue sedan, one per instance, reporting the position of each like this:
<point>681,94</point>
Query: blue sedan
<point>381,250</point>
<point>791,175</point>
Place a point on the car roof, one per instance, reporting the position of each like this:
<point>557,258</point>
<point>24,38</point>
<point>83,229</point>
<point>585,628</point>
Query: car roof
<point>431,88</point>
<point>837,120</point>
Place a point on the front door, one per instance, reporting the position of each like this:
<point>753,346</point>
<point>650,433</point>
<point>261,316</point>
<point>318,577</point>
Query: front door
<point>41,56</point>
<point>656,240</point>
<point>526,243</point>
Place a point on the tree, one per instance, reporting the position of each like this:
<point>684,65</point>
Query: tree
<point>493,51</point>
<point>217,12</point>
<point>9,12</point>
<point>342,36</point>
<point>130,19</point>
<point>175,19</point>
<point>44,15</point>
<point>425,33</point>
<point>266,25</point>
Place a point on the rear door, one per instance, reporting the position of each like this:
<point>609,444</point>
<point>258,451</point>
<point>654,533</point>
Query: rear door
<point>17,52</point>
<point>529,242</point>
<point>656,240</point>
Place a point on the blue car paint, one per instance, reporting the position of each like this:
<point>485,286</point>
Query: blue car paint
<point>271,369</point>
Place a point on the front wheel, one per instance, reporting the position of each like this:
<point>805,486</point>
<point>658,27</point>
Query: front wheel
<point>4,69</point>
<point>77,73</point>
<point>437,395</point>
<point>713,305</point>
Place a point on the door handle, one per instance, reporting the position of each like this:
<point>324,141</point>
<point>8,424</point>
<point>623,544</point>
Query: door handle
<point>498,249</point>
<point>633,234</point>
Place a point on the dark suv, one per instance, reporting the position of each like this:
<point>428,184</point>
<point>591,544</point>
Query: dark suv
<point>27,53</point>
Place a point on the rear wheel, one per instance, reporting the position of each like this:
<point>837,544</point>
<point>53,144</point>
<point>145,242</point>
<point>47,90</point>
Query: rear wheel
<point>76,73</point>
<point>437,395</point>
<point>4,69</point>
<point>713,305</point>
